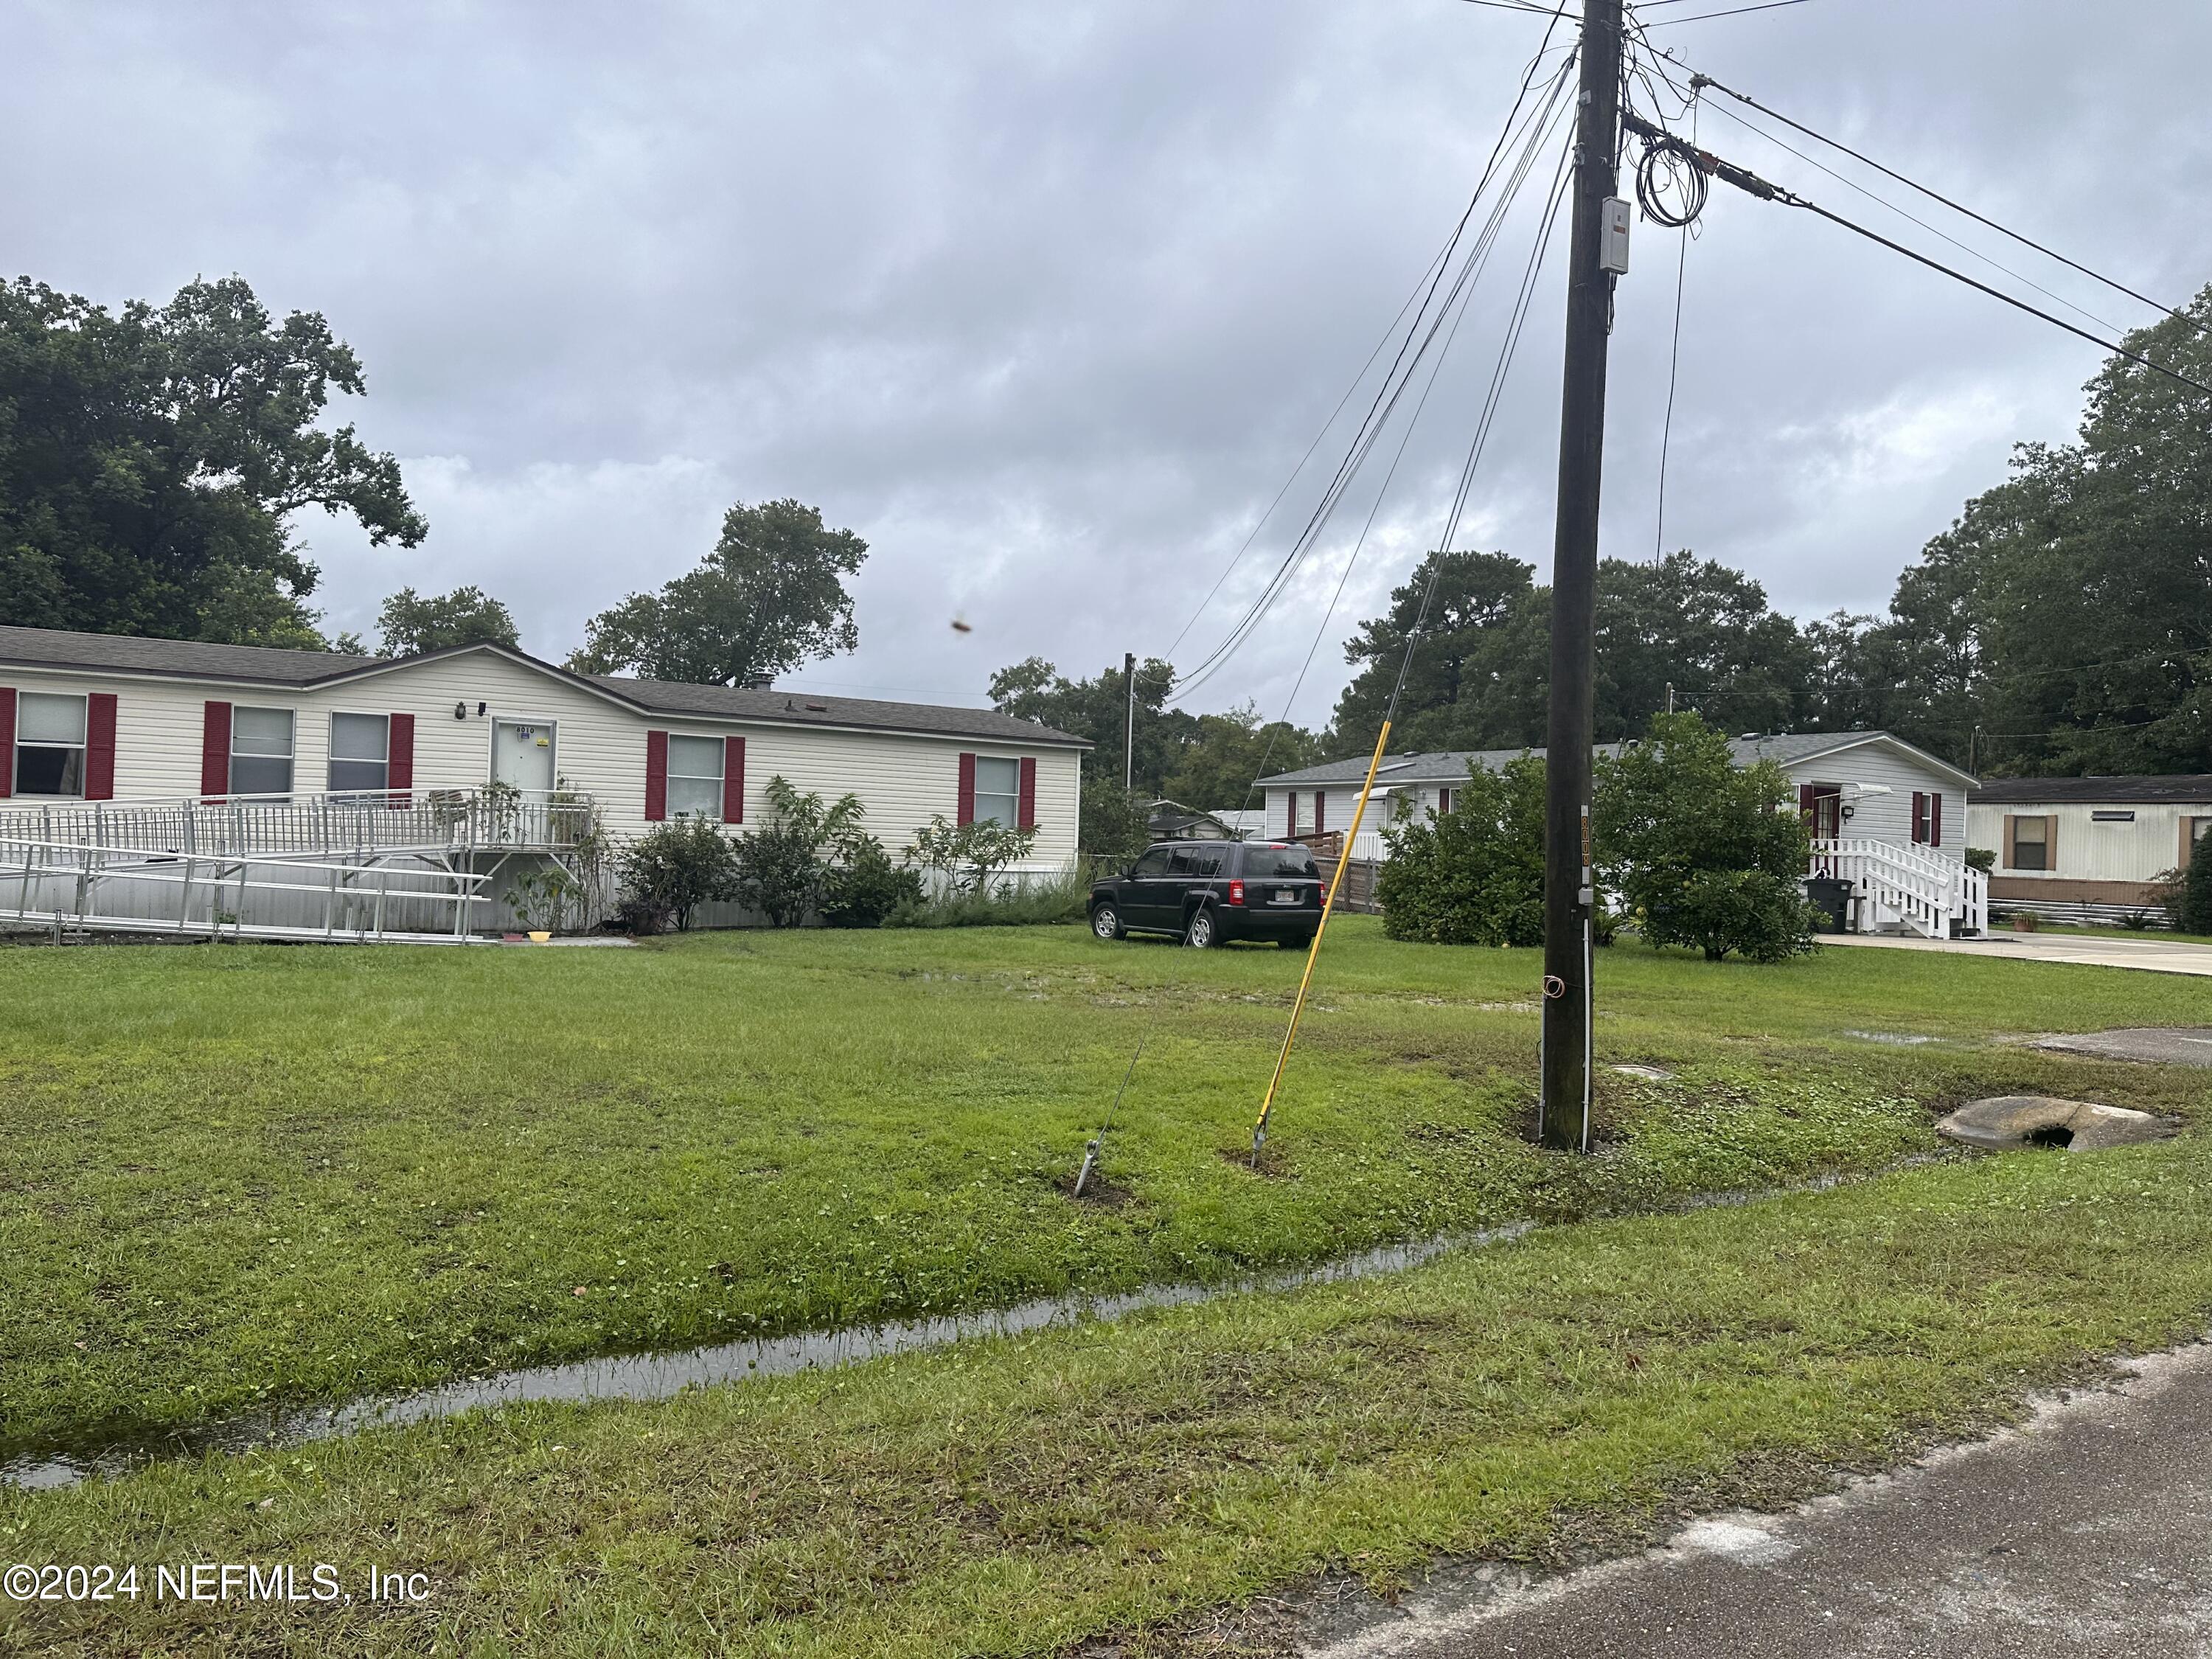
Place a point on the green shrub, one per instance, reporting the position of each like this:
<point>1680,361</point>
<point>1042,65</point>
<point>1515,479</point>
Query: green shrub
<point>1982,858</point>
<point>670,870</point>
<point>1473,875</point>
<point>787,868</point>
<point>968,855</point>
<point>2196,906</point>
<point>1113,821</point>
<point>1040,902</point>
<point>1703,851</point>
<point>866,890</point>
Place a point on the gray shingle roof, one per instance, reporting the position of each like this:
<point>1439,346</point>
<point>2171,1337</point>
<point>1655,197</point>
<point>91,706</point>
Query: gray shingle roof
<point>263,665</point>
<point>193,658</point>
<point>805,709</point>
<point>1449,765</point>
<point>2187,788</point>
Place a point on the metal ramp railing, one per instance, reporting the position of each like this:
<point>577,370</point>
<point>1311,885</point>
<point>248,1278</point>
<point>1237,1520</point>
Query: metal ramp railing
<point>73,888</point>
<point>312,826</point>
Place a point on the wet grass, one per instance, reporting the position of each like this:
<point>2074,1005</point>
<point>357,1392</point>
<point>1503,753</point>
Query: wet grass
<point>234,1175</point>
<point>1537,1402</point>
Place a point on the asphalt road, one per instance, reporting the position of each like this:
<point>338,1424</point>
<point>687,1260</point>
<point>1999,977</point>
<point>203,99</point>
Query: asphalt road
<point>2086,1531</point>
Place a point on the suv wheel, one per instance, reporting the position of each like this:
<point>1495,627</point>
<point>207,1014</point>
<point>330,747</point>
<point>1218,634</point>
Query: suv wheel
<point>1202,932</point>
<point>1106,923</point>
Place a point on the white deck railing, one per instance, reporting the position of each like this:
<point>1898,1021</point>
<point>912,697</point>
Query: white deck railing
<point>71,888</point>
<point>1922,891</point>
<point>308,825</point>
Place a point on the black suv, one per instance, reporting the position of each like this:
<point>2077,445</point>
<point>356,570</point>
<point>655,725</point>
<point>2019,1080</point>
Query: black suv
<point>1206,892</point>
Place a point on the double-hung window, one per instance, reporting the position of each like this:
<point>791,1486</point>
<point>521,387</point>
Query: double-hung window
<point>360,754</point>
<point>49,756</point>
<point>261,751</point>
<point>2031,844</point>
<point>998,791</point>
<point>695,777</point>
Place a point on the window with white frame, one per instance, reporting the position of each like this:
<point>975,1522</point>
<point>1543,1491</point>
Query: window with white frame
<point>49,756</point>
<point>360,754</point>
<point>260,751</point>
<point>998,791</point>
<point>695,777</point>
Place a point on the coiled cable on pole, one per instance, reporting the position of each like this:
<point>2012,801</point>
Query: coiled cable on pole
<point>1670,186</point>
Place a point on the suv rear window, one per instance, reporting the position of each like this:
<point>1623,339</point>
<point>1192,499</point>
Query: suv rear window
<point>1200,859</point>
<point>1263,863</point>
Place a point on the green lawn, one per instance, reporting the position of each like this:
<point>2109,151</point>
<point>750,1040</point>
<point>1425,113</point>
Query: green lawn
<point>1532,1400</point>
<point>232,1175</point>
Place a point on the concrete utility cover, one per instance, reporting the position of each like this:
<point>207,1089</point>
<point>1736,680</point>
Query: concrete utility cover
<point>2174,1045</point>
<point>2004,1122</point>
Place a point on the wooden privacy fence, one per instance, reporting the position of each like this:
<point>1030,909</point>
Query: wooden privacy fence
<point>1358,893</point>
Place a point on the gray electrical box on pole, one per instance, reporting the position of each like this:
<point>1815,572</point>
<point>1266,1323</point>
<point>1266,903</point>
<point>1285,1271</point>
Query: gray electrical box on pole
<point>1594,260</point>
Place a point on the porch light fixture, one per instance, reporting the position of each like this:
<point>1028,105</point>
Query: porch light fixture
<point>460,711</point>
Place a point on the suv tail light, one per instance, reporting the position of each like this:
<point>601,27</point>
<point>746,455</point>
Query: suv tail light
<point>1236,892</point>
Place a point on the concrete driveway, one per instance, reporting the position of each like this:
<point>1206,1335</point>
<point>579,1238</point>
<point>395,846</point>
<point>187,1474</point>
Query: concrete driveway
<point>2088,949</point>
<point>2088,1531</point>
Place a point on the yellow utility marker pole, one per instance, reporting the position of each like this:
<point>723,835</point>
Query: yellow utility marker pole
<point>1313,951</point>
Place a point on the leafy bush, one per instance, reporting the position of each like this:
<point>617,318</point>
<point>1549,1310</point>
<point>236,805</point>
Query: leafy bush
<point>1473,875</point>
<point>786,869</point>
<point>868,889</point>
<point>1113,821</point>
<point>641,915</point>
<point>1704,851</point>
<point>2196,907</point>
<point>672,869</point>
<point>1059,899</point>
<point>2166,888</point>
<point>1982,858</point>
<point>968,855</point>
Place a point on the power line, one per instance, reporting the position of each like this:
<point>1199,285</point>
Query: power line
<point>1426,281</point>
<point>1540,122</point>
<point>1702,80</point>
<point>1771,5</point>
<point>2018,276</point>
<point>1753,185</point>
<point>1666,425</point>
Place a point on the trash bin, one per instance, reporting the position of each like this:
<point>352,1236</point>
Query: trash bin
<point>1832,897</point>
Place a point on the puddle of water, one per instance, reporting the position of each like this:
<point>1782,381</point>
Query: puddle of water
<point>663,1375</point>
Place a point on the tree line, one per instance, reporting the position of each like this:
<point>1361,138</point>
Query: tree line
<point>154,461</point>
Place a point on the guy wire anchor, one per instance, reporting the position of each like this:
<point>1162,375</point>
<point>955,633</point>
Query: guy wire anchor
<point>1095,1148</point>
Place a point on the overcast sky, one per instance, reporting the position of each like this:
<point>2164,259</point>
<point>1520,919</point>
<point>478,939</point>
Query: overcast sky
<point>1046,301</point>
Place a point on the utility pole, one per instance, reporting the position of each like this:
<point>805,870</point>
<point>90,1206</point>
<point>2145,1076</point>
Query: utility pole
<point>1129,731</point>
<point>1598,254</point>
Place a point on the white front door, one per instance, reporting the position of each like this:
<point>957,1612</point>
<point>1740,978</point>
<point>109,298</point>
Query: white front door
<point>522,754</point>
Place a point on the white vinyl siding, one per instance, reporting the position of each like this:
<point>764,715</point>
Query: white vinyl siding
<point>902,779</point>
<point>2137,849</point>
<point>260,751</point>
<point>695,777</point>
<point>49,757</point>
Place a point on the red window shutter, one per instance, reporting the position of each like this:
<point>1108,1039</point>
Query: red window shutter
<point>967,805</point>
<point>400,755</point>
<point>1919,818</point>
<point>1935,819</point>
<point>99,746</point>
<point>733,781</point>
<point>1806,810</point>
<point>1320,811</point>
<point>656,776</point>
<point>1026,817</point>
<point>1290,817</point>
<point>8,753</point>
<point>1443,800</point>
<point>215,749</point>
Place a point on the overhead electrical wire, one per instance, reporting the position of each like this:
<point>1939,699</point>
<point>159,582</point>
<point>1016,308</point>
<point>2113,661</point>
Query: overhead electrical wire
<point>1737,11</point>
<point>1424,284</point>
<point>1388,397</point>
<point>1752,183</point>
<point>1703,80</point>
<point>1995,265</point>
